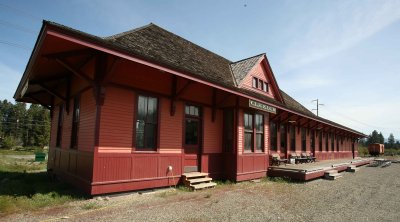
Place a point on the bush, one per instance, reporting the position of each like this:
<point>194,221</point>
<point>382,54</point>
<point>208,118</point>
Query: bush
<point>363,151</point>
<point>8,142</point>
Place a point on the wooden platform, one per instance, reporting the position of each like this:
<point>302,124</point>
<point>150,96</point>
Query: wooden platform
<point>310,171</point>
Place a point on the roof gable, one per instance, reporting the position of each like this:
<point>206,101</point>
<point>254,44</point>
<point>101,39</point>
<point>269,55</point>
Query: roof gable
<point>241,68</point>
<point>258,67</point>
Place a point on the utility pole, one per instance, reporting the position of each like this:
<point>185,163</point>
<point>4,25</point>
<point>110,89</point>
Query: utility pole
<point>318,104</point>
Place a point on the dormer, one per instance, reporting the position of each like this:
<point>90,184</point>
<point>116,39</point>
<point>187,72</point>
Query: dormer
<point>255,74</point>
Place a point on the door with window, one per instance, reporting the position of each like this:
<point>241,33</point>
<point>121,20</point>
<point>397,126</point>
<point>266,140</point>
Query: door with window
<point>192,138</point>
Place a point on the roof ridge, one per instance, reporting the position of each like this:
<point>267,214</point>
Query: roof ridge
<point>249,58</point>
<point>165,30</point>
<point>129,31</point>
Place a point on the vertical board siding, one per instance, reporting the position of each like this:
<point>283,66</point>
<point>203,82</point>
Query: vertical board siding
<point>116,122</point>
<point>86,121</point>
<point>165,162</point>
<point>212,131</point>
<point>113,168</point>
<point>144,167</point>
<point>170,127</point>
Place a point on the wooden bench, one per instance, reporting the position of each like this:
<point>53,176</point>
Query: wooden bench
<point>309,157</point>
<point>276,159</point>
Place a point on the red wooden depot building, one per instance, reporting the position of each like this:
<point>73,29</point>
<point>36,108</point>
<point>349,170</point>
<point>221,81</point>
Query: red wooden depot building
<point>125,108</point>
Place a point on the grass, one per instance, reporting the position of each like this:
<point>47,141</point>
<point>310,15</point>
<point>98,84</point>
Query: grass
<point>23,190</point>
<point>279,180</point>
<point>90,206</point>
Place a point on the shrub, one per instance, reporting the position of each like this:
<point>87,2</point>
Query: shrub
<point>363,151</point>
<point>8,142</point>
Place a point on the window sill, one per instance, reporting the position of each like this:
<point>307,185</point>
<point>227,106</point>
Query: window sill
<point>145,151</point>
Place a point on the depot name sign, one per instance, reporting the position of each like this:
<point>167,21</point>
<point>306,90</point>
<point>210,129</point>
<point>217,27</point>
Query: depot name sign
<point>261,106</point>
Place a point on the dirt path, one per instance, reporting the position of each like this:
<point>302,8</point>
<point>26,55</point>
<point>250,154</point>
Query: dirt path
<point>372,194</point>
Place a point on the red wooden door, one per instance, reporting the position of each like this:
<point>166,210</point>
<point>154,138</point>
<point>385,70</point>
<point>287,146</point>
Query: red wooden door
<point>192,139</point>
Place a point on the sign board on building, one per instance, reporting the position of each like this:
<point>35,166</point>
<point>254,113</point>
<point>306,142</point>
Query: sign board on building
<point>261,106</point>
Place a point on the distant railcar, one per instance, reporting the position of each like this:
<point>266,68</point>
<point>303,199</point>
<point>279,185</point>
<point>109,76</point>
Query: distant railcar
<point>376,149</point>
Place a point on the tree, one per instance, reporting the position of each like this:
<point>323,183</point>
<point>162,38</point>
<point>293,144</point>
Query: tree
<point>28,127</point>
<point>373,137</point>
<point>391,141</point>
<point>381,138</point>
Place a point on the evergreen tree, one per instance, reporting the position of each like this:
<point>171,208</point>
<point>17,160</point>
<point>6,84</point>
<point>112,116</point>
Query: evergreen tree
<point>373,138</point>
<point>391,141</point>
<point>28,127</point>
<point>381,138</point>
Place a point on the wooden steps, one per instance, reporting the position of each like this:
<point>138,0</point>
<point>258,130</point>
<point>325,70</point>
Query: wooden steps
<point>197,180</point>
<point>332,175</point>
<point>352,168</point>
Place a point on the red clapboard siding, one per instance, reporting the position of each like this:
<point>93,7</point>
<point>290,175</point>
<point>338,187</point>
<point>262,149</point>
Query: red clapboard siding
<point>53,127</point>
<point>142,77</point>
<point>116,122</point>
<point>212,131</point>
<point>170,127</point>
<point>86,121</point>
<point>198,93</point>
<point>67,126</point>
<point>259,72</point>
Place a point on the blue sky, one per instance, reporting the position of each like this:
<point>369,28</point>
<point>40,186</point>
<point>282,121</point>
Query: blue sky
<point>345,53</point>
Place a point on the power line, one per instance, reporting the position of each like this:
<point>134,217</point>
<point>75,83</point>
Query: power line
<point>18,27</point>
<point>362,123</point>
<point>17,45</point>
<point>21,12</point>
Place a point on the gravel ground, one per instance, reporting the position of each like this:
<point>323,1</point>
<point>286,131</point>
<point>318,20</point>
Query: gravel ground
<point>371,194</point>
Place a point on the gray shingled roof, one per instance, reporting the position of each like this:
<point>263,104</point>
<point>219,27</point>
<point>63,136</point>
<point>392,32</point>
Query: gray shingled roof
<point>162,46</point>
<point>241,68</point>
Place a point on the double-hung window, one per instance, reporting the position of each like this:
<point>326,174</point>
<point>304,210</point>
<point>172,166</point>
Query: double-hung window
<point>59,125</point>
<point>253,132</point>
<point>303,139</point>
<point>292,135</point>
<point>75,123</point>
<point>273,136</point>
<point>146,123</point>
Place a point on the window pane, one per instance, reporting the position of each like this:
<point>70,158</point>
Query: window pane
<point>260,83</point>
<point>266,87</point>
<point>142,108</point>
<point>248,121</point>
<point>187,110</point>
<point>273,132</point>
<point>283,137</point>
<point>152,110</point>
<point>191,132</point>
<point>259,142</point>
<point>255,82</point>
<point>150,135</point>
<point>248,141</point>
<point>196,111</point>
<point>259,123</point>
<point>140,124</point>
